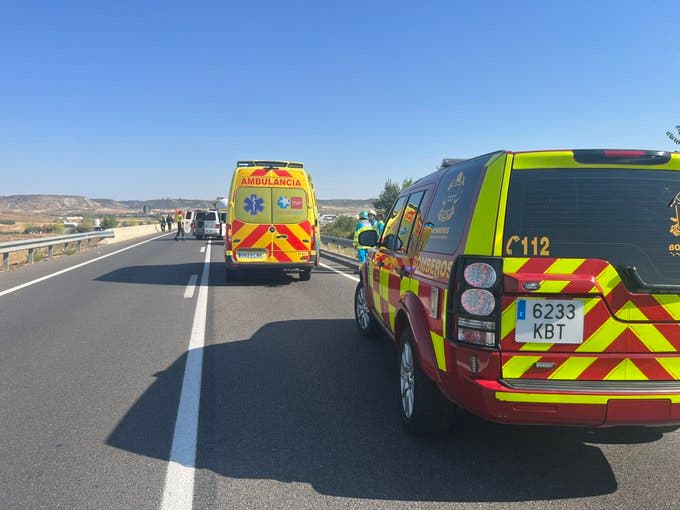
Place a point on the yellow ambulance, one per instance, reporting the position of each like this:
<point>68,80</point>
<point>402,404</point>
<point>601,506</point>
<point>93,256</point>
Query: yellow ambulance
<point>272,219</point>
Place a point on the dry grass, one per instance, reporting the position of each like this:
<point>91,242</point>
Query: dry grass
<point>20,258</point>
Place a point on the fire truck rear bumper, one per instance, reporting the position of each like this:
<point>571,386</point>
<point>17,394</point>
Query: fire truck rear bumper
<point>581,403</point>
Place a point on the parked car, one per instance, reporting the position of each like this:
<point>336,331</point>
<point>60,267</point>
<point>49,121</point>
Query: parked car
<point>206,225</point>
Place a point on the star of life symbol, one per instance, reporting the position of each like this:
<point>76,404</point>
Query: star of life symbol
<point>283,202</point>
<point>253,204</point>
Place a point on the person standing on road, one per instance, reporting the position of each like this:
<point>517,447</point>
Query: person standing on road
<point>162,222</point>
<point>180,226</point>
<point>168,220</point>
<point>363,225</point>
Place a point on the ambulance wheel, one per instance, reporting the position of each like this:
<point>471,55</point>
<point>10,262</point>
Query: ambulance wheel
<point>305,275</point>
<point>366,323</point>
<point>424,410</point>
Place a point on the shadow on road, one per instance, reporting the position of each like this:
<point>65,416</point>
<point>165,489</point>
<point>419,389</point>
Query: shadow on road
<point>311,401</point>
<point>178,274</point>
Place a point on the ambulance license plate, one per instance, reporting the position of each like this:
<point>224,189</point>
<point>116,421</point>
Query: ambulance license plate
<point>549,321</point>
<point>251,254</point>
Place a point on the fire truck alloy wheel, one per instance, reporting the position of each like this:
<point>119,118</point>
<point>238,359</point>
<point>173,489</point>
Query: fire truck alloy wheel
<point>424,410</point>
<point>407,377</point>
<point>365,321</point>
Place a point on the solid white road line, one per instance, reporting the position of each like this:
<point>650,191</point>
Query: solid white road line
<point>202,249</point>
<point>43,278</point>
<point>351,277</point>
<point>179,479</point>
<point>191,287</point>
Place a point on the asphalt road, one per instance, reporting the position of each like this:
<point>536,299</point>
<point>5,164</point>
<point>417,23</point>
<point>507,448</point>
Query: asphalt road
<point>296,409</point>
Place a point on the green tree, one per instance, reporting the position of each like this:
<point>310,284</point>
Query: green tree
<point>343,226</point>
<point>58,226</point>
<point>109,222</point>
<point>86,225</point>
<point>389,195</point>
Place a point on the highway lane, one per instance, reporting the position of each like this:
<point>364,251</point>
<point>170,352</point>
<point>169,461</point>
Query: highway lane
<point>297,410</point>
<point>77,351</point>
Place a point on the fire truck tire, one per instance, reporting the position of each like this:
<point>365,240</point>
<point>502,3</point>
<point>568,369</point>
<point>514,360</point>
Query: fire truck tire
<point>366,323</point>
<point>305,275</point>
<point>424,410</point>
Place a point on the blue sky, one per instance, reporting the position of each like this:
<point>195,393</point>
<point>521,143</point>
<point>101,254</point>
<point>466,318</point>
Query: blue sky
<point>140,100</point>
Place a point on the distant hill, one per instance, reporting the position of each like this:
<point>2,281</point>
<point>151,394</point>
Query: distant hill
<point>47,203</point>
<point>72,204</point>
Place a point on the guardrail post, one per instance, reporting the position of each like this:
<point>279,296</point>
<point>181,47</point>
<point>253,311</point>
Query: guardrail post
<point>50,251</point>
<point>5,260</point>
<point>65,248</point>
<point>30,255</point>
<point>80,245</point>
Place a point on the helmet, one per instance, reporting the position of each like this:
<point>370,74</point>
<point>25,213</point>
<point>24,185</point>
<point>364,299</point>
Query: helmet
<point>363,215</point>
<point>372,212</point>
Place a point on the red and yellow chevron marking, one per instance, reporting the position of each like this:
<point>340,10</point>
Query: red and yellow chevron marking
<point>296,246</point>
<point>279,249</point>
<point>591,368</point>
<point>622,349</point>
<point>388,289</point>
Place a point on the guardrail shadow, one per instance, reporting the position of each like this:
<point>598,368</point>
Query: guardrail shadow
<point>311,401</point>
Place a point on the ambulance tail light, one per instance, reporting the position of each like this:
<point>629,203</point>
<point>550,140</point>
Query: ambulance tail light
<point>476,301</point>
<point>227,237</point>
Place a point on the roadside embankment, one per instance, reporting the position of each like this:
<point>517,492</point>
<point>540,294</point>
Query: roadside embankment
<point>125,233</point>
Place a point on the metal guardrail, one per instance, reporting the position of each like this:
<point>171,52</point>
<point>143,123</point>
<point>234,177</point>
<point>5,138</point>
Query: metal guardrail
<point>31,244</point>
<point>339,242</point>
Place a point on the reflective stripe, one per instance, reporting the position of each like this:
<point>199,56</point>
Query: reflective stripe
<point>626,371</point>
<point>572,368</point>
<point>564,266</point>
<point>438,344</point>
<point>553,286</point>
<point>384,284</point>
<point>651,337</point>
<point>516,366</point>
<point>556,398</point>
<point>603,337</point>
<point>670,365</point>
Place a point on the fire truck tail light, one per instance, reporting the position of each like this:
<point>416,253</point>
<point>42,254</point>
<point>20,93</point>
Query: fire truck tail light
<point>480,274</point>
<point>478,302</point>
<point>474,336</point>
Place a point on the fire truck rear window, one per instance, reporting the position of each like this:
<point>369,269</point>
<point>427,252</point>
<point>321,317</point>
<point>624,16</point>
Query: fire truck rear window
<point>629,217</point>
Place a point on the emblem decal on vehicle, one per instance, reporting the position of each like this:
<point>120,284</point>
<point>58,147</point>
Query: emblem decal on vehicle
<point>296,202</point>
<point>283,202</point>
<point>253,204</point>
<point>453,193</point>
<point>675,228</point>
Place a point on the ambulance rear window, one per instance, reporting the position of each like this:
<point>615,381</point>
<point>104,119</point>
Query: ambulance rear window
<point>252,204</point>
<point>289,205</point>
<point>629,217</point>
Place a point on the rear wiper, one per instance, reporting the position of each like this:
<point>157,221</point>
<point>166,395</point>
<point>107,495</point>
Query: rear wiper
<point>657,288</point>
